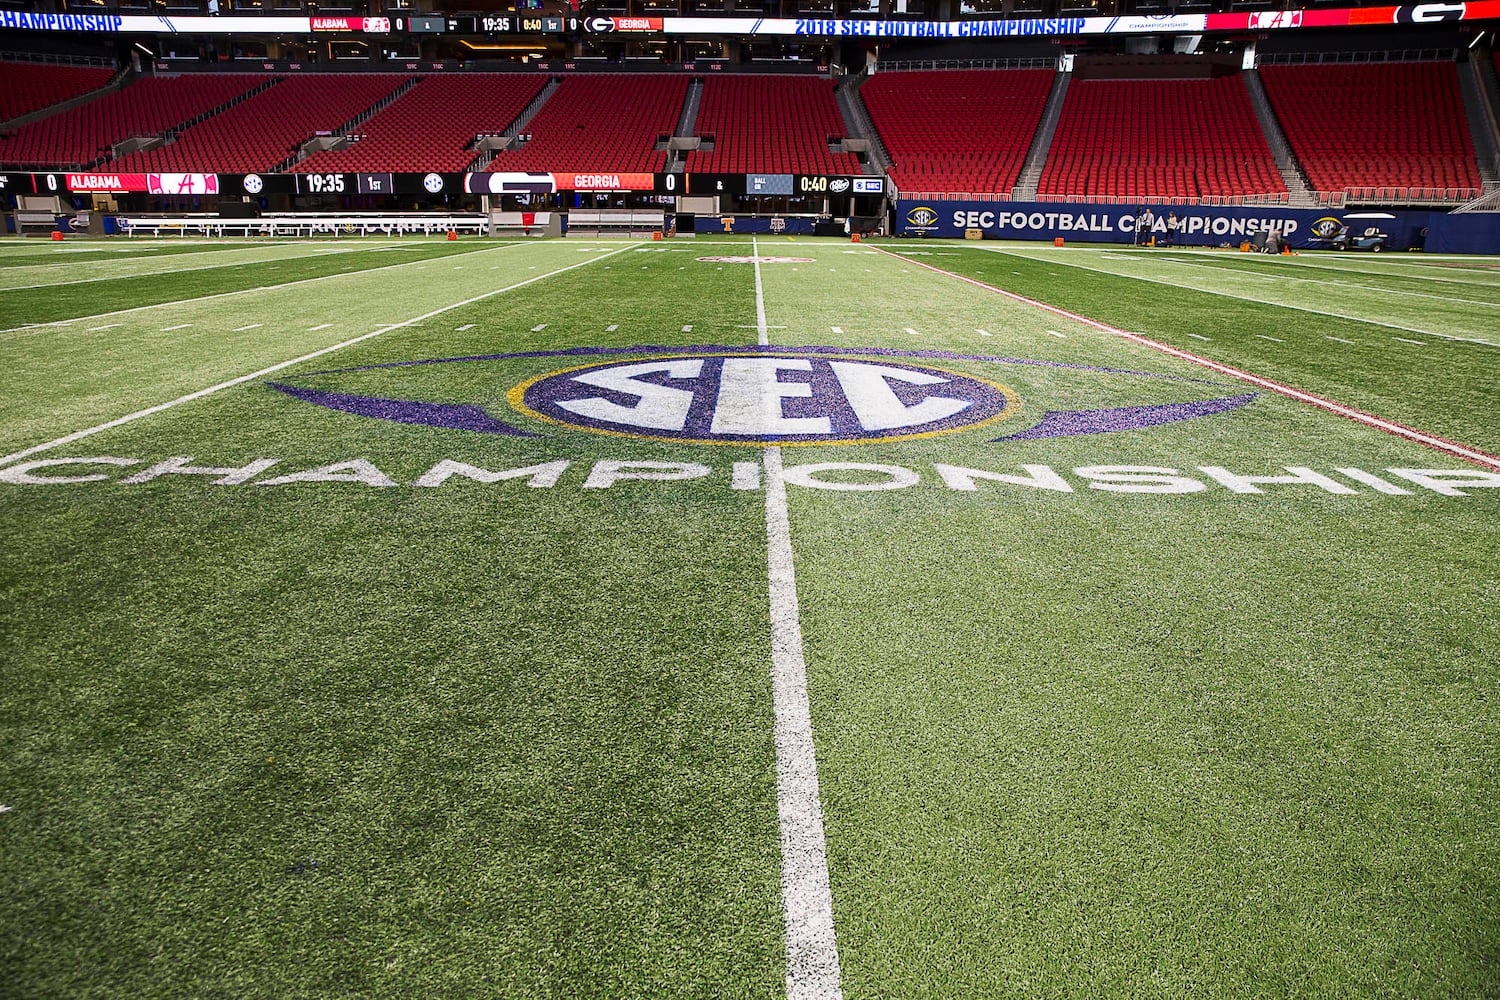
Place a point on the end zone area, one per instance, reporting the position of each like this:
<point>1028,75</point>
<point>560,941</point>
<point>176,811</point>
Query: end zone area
<point>440,662</point>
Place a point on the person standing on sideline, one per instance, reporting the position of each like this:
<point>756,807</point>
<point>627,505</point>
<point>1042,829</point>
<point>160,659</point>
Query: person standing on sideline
<point>1148,219</point>
<point>1174,224</point>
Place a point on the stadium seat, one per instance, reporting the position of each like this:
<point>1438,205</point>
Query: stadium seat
<point>1375,125</point>
<point>957,130</point>
<point>1159,140</point>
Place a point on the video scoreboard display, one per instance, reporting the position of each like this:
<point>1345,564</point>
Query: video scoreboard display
<point>768,185</point>
<point>510,24</point>
<point>336,184</point>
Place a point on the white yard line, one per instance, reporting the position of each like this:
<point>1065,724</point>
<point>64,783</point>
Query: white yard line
<point>1340,284</point>
<point>415,265</point>
<point>158,272</point>
<point>158,408</point>
<point>1292,392</point>
<point>1251,298</point>
<point>763,336</point>
<point>812,956</point>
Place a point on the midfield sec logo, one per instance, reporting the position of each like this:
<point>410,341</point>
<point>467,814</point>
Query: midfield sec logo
<point>748,396</point>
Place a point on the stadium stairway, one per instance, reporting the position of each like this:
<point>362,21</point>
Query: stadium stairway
<point>857,127</point>
<point>1386,124</point>
<point>878,161</point>
<point>687,123</point>
<point>1041,141</point>
<point>315,144</point>
<point>169,135</point>
<point>1476,82</point>
<point>114,82</point>
<point>507,138</point>
<point>1298,189</point>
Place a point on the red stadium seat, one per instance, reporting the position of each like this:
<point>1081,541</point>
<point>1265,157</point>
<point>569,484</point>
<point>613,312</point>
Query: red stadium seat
<point>1375,124</point>
<point>1159,139</point>
<point>957,130</point>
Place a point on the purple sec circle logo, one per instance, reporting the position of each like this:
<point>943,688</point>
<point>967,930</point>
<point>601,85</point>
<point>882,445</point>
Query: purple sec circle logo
<point>756,398</point>
<point>750,395</point>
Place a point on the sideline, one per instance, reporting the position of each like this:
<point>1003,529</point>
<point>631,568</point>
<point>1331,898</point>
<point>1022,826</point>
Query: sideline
<point>1250,298</point>
<point>1360,416</point>
<point>247,291</point>
<point>158,408</point>
<point>812,955</point>
<point>162,272</point>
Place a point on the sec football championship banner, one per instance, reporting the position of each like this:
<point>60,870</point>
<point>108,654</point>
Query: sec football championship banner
<point>1084,222</point>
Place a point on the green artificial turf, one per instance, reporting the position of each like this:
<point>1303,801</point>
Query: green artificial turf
<point>45,304</point>
<point>337,739</point>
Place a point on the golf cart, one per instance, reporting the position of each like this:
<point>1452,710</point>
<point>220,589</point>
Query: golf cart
<point>1357,231</point>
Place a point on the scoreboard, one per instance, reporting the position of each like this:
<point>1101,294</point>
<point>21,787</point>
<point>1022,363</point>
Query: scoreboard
<point>498,182</point>
<point>511,24</point>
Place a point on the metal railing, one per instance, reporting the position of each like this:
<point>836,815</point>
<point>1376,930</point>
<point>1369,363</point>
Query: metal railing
<point>914,64</point>
<point>55,59</point>
<point>1367,56</point>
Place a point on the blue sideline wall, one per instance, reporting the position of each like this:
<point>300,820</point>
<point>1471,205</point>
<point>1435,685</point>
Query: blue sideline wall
<point>1085,222</point>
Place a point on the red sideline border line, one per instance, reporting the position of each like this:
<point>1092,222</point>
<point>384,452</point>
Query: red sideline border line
<point>1368,419</point>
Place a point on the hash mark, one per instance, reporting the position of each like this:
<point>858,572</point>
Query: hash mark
<point>611,328</point>
<point>1197,336</point>
<point>242,329</point>
<point>1341,340</point>
<point>687,328</point>
<point>984,333</point>
<point>911,331</point>
<point>466,326</point>
<point>836,329</point>
<point>1059,335</point>
<point>1419,343</point>
<point>539,328</point>
<point>1264,337</point>
<point>96,329</point>
<point>320,326</point>
<point>179,326</point>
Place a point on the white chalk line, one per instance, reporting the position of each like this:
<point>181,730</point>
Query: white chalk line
<point>240,380</point>
<point>241,291</point>
<point>167,272</point>
<point>1376,289</point>
<point>1251,298</point>
<point>812,956</point>
<point>1359,416</point>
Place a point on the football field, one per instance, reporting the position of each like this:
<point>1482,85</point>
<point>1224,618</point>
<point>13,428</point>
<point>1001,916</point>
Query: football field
<point>747,618</point>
